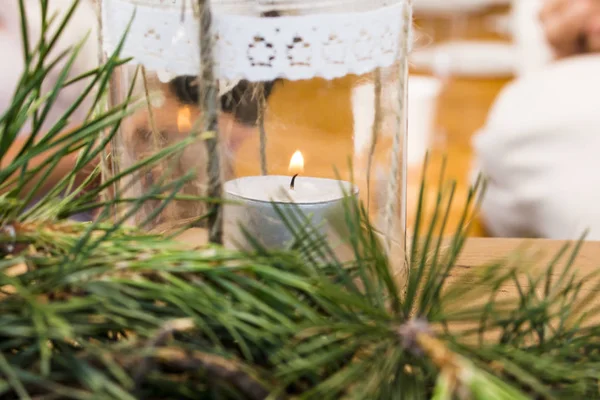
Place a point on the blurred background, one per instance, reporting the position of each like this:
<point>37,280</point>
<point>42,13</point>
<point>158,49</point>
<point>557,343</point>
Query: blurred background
<point>487,92</point>
<point>466,52</point>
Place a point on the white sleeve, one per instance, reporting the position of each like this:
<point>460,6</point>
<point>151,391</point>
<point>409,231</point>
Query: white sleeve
<point>539,151</point>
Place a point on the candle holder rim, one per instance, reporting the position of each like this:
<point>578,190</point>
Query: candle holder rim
<point>353,193</point>
<point>298,203</point>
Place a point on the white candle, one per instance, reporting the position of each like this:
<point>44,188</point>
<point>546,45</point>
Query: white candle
<point>251,206</point>
<point>275,188</point>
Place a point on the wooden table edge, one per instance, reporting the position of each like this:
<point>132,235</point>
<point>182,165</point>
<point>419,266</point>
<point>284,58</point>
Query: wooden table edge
<point>478,252</point>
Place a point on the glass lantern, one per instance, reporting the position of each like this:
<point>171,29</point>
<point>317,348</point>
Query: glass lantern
<point>311,89</point>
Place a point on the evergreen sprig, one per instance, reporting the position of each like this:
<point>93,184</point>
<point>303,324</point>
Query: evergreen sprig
<point>104,311</point>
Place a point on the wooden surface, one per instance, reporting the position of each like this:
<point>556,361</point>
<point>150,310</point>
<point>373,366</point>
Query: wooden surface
<point>482,251</point>
<point>479,252</point>
<point>316,117</point>
<point>535,255</point>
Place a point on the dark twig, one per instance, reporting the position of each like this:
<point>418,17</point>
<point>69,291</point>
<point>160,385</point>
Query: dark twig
<point>183,361</point>
<point>209,104</point>
<point>147,363</point>
<point>262,109</point>
<point>216,367</point>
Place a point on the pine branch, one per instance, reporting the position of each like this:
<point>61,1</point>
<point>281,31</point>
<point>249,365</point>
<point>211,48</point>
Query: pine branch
<point>101,310</point>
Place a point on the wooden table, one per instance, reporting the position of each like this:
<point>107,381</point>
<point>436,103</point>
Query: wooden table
<point>536,254</point>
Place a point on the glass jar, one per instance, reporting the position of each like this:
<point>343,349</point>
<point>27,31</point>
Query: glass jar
<point>324,80</point>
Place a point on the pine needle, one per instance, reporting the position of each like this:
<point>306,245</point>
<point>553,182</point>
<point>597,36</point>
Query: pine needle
<point>101,310</point>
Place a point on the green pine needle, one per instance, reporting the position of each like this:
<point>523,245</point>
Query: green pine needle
<point>104,311</point>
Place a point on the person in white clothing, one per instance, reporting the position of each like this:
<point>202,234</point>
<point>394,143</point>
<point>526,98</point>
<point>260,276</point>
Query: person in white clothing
<point>572,27</point>
<point>540,147</point>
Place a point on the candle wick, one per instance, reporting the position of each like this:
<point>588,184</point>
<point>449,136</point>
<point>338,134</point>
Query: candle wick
<point>293,182</point>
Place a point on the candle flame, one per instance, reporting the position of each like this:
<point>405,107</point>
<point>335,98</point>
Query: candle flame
<point>184,123</point>
<point>297,163</point>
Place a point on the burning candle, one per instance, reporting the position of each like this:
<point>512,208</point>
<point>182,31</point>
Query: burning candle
<point>252,201</point>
